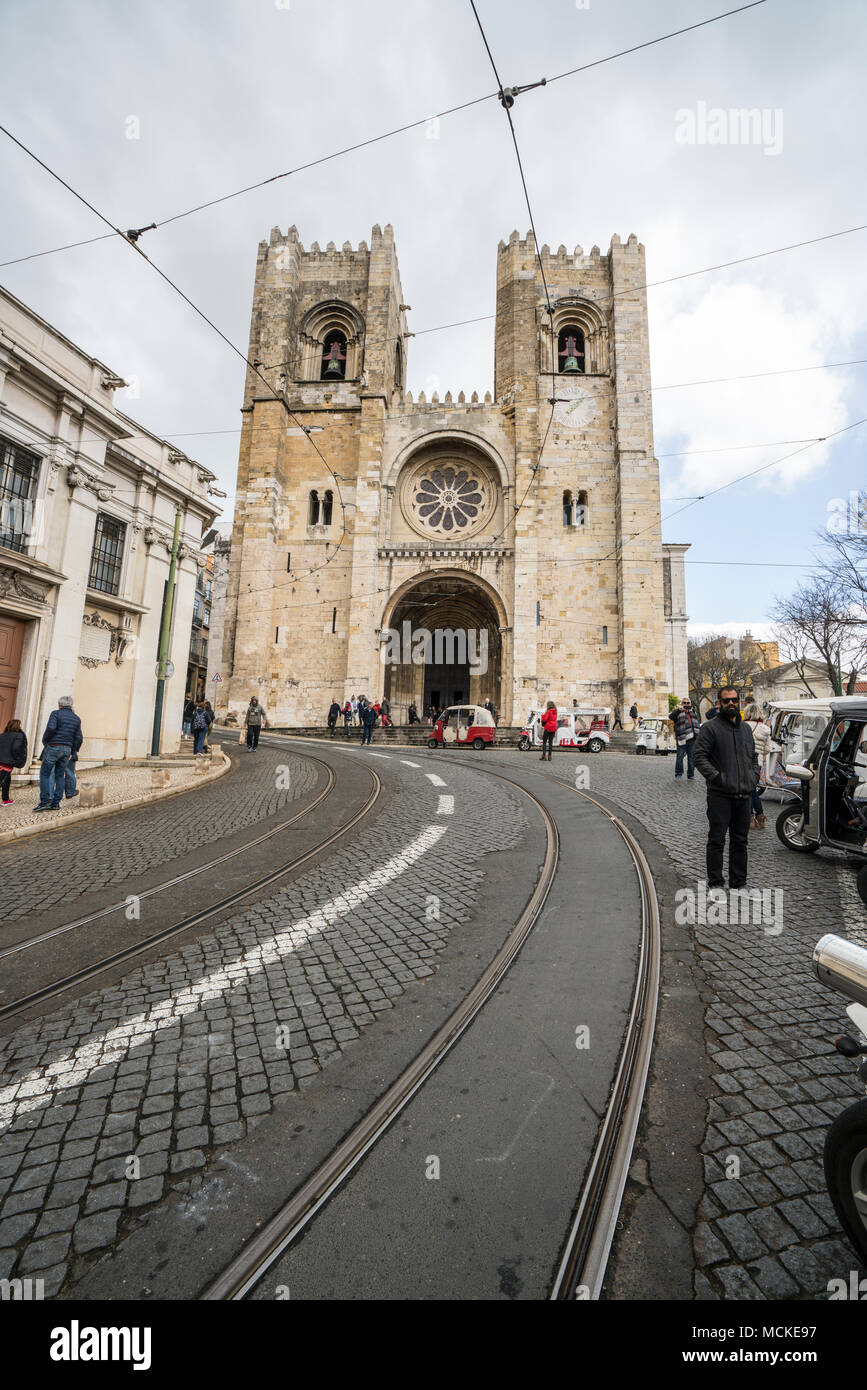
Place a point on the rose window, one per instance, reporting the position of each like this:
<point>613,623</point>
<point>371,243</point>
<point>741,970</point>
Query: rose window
<point>448,500</point>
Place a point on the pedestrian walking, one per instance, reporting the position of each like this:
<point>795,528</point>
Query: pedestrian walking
<point>200,726</point>
<point>385,706</point>
<point>617,723</point>
<point>725,755</point>
<point>347,714</point>
<point>368,719</point>
<point>254,719</point>
<point>13,754</point>
<point>686,726</point>
<point>762,739</point>
<point>412,714</point>
<point>333,716</point>
<point>62,737</point>
<point>189,711</point>
<point>549,728</point>
<point>633,715</point>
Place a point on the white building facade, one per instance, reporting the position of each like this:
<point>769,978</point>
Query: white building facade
<point>88,500</point>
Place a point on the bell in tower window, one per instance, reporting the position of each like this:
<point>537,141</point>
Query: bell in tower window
<point>570,350</point>
<point>334,356</point>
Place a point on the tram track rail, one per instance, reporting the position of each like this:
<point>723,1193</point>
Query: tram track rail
<point>61,986</point>
<point>580,1266</point>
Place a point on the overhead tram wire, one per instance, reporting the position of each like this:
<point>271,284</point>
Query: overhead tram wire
<point>387,135</point>
<point>507,100</point>
<point>203,316</point>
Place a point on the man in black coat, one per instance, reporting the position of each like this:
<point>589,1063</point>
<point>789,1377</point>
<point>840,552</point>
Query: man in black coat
<point>368,719</point>
<point>725,755</point>
<point>333,715</point>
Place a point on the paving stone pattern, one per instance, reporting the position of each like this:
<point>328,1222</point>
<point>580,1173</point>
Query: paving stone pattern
<point>125,846</point>
<point>770,1026</point>
<point>182,1055</point>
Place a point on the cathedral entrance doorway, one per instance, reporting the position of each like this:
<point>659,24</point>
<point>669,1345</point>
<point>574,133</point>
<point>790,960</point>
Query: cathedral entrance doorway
<point>441,646</point>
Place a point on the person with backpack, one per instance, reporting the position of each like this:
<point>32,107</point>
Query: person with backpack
<point>549,728</point>
<point>686,723</point>
<point>333,716</point>
<point>62,738</point>
<point>189,711</point>
<point>254,719</point>
<point>201,722</point>
<point>633,715</point>
<point>13,754</point>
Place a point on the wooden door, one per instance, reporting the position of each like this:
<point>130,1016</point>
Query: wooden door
<point>11,644</point>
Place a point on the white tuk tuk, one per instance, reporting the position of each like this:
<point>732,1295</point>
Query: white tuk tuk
<point>795,729</point>
<point>654,736</point>
<point>576,728</point>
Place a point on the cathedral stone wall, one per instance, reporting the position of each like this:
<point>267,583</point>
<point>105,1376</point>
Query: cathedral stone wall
<point>533,515</point>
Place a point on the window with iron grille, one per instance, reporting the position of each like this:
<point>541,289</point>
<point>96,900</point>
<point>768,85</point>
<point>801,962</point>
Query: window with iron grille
<point>19,472</point>
<point>107,555</point>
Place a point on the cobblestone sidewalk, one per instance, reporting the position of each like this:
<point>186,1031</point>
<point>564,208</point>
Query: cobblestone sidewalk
<point>772,1231</point>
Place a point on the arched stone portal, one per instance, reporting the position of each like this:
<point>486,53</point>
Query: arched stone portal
<point>441,644</point>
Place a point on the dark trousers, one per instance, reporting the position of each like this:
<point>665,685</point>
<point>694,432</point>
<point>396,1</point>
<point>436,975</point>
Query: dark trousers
<point>331,725</point>
<point>756,804</point>
<point>253,731</point>
<point>366,733</point>
<point>689,749</point>
<point>5,785</point>
<point>727,815</point>
<point>547,741</point>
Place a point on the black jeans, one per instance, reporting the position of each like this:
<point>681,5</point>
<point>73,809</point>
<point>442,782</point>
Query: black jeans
<point>366,733</point>
<point>727,814</point>
<point>547,741</point>
<point>5,784</point>
<point>253,732</point>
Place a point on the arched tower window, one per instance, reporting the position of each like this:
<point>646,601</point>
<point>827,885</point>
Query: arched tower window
<point>330,343</point>
<point>333,366</point>
<point>327,505</point>
<point>581,509</point>
<point>575,509</point>
<point>398,366</point>
<point>570,349</point>
<point>313,509</point>
<point>567,508</point>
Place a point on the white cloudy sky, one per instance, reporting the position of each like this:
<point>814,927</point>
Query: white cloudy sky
<point>226,92</point>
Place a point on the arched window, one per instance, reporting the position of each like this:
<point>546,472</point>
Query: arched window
<point>313,512</point>
<point>581,510</point>
<point>567,509</point>
<point>333,356</point>
<point>575,509</point>
<point>570,349</point>
<point>327,504</point>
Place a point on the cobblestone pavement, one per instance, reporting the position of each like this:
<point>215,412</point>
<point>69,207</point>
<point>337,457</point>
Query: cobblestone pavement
<point>772,1232</point>
<point>124,846</point>
<point>110,1101</point>
<point>119,783</point>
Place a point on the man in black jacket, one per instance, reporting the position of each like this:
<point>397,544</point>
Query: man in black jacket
<point>725,755</point>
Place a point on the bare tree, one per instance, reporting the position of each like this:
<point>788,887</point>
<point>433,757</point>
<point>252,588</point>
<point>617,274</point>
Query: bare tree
<point>817,622</point>
<point>717,661</point>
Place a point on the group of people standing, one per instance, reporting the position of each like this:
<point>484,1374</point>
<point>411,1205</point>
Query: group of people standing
<point>61,740</point>
<point>360,710</point>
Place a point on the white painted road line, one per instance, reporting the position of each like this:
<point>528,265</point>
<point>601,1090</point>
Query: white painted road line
<point>379,755</point>
<point>437,781</point>
<point>39,1086</point>
<point>406,762</point>
<point>446,806</point>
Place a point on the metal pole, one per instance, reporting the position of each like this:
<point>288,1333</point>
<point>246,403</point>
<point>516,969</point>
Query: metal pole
<point>165,633</point>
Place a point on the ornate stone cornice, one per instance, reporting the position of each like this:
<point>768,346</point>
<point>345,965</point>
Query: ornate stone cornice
<point>76,476</point>
<point>12,585</point>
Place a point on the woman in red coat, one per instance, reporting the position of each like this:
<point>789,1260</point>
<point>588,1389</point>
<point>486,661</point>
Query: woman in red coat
<point>549,728</point>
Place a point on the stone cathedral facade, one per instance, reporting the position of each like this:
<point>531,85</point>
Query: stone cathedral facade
<point>530,521</point>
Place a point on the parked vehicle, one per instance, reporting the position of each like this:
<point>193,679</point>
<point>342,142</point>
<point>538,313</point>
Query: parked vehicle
<point>654,736</point>
<point>576,728</point>
<point>842,965</point>
<point>831,807</point>
<point>795,728</point>
<point>463,724</point>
